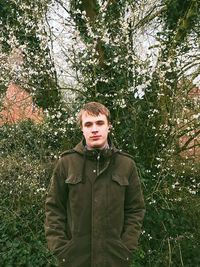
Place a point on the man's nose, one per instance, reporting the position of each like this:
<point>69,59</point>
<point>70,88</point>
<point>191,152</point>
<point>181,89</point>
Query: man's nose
<point>94,128</point>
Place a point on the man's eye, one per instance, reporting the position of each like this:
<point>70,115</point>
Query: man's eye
<point>100,122</point>
<point>88,124</point>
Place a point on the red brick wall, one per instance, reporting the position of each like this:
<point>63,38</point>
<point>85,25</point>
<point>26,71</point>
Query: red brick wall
<point>18,105</point>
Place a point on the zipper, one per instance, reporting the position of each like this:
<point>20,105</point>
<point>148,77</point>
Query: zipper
<point>92,230</point>
<point>98,167</point>
<point>92,219</point>
<point>93,196</point>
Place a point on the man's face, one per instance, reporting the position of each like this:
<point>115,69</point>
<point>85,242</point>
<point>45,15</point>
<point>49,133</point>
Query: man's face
<point>95,130</point>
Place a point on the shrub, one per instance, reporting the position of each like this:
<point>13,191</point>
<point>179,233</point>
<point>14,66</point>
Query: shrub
<point>28,153</point>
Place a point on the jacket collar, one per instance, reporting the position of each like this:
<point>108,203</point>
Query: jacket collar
<point>81,148</point>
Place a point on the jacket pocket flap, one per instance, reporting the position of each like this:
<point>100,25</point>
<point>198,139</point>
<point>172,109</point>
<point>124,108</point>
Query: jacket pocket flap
<point>121,180</point>
<point>72,179</point>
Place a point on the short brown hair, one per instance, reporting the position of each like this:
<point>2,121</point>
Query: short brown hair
<point>93,108</point>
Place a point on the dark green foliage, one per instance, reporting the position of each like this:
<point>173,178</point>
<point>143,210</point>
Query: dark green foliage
<point>28,155</point>
<point>172,216</point>
<point>176,9</point>
<point>23,182</point>
<point>146,126</point>
<point>22,241</point>
<point>23,21</point>
<point>172,219</point>
<point>143,126</point>
<point>181,17</point>
<point>91,11</point>
<point>23,189</point>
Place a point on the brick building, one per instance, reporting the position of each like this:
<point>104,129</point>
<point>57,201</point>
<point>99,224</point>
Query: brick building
<point>193,147</point>
<point>18,105</point>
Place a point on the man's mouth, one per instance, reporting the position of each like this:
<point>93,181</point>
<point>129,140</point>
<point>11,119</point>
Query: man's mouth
<point>95,137</point>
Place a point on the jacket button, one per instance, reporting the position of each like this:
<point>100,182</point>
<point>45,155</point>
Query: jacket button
<point>63,260</point>
<point>94,171</point>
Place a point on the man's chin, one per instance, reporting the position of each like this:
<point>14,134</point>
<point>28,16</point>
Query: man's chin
<point>96,146</point>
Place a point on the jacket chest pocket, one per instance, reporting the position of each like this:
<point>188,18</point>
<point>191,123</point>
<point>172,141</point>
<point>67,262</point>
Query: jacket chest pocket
<point>116,197</point>
<point>73,179</point>
<point>78,191</point>
<point>75,185</point>
<point>75,197</point>
<point>117,188</point>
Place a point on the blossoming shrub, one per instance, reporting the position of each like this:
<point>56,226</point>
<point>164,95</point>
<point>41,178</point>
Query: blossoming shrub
<point>28,154</point>
<point>171,229</point>
<point>22,212</point>
<point>23,179</point>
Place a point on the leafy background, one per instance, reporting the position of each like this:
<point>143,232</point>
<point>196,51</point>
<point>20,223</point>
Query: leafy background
<point>71,52</point>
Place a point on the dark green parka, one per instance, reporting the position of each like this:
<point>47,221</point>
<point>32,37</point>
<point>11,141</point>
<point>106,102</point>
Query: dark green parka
<point>94,209</point>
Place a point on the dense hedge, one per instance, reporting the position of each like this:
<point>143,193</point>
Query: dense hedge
<point>28,154</point>
<point>171,231</point>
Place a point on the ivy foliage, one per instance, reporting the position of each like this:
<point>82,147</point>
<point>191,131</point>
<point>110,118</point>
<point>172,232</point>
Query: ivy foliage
<point>151,106</point>
<point>28,155</point>
<point>23,38</point>
<point>146,104</point>
<point>182,16</point>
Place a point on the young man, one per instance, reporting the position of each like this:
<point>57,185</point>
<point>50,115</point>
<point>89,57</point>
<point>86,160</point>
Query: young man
<point>95,206</point>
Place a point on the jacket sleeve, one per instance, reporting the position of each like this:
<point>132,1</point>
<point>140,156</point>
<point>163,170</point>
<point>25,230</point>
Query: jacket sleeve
<point>134,210</point>
<point>55,211</point>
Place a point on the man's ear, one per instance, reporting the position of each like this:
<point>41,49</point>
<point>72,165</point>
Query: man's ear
<point>110,127</point>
